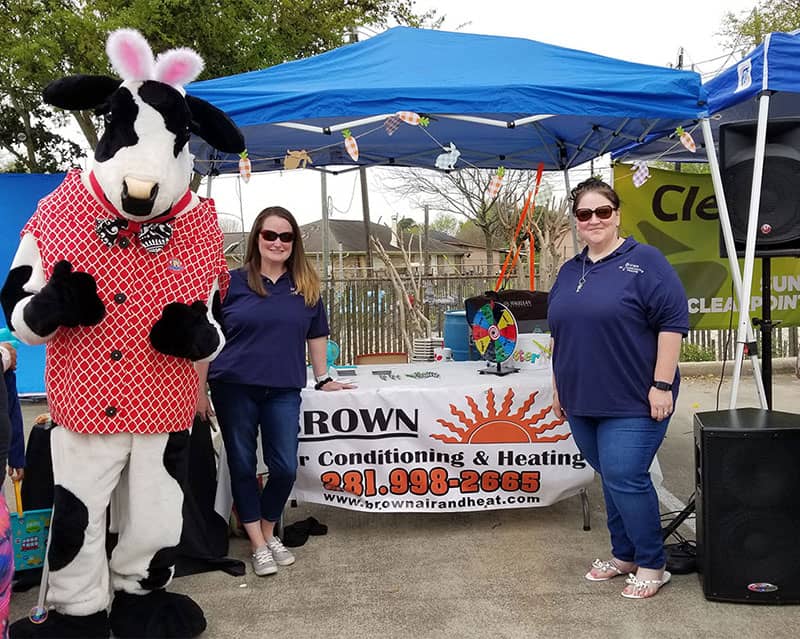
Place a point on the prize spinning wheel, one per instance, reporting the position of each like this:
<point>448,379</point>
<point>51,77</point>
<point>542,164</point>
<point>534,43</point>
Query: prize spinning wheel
<point>494,331</point>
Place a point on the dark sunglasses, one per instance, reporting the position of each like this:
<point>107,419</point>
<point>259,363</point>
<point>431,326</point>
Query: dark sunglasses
<point>602,212</point>
<point>270,236</point>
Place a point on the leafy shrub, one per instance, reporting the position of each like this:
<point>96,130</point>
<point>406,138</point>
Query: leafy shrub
<point>696,353</point>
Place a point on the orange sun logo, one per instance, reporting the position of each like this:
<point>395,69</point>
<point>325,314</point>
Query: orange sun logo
<point>503,427</point>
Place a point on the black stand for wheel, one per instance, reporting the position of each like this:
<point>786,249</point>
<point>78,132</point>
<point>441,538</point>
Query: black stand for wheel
<point>498,371</point>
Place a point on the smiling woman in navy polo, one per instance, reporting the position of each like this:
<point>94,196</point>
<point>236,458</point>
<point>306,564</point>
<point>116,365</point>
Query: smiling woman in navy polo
<point>617,313</point>
<point>273,309</point>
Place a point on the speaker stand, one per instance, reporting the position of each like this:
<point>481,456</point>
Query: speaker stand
<point>765,324</point>
<point>678,519</point>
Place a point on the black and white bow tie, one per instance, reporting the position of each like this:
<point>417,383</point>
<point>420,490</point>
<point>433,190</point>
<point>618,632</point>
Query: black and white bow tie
<point>152,236</point>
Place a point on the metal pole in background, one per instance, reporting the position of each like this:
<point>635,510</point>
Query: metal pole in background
<point>572,226</point>
<point>362,172</point>
<point>325,230</point>
<point>426,258</point>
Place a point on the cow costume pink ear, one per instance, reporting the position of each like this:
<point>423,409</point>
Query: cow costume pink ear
<point>130,55</point>
<point>178,67</point>
<point>133,60</point>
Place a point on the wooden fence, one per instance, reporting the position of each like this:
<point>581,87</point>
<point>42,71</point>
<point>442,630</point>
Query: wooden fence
<point>363,317</point>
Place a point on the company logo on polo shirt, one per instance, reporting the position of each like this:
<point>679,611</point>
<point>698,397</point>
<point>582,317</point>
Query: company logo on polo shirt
<point>631,268</point>
<point>508,426</point>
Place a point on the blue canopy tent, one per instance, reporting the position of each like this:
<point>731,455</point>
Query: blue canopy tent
<point>490,101</point>
<point>501,101</point>
<point>733,95</point>
<point>764,85</point>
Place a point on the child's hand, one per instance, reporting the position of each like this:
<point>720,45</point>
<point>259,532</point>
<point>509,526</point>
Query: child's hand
<point>16,474</point>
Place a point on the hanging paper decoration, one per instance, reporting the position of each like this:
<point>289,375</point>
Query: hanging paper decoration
<point>686,139</point>
<point>245,168</point>
<point>414,119</point>
<point>409,117</point>
<point>641,173</point>
<point>496,182</point>
<point>447,160</point>
<point>391,124</point>
<point>350,144</point>
<point>296,159</point>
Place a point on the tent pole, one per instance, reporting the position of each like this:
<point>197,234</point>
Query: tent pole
<point>571,217</point>
<point>325,231</point>
<point>733,263</point>
<point>750,247</point>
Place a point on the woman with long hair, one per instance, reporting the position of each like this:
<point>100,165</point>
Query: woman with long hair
<point>273,310</point>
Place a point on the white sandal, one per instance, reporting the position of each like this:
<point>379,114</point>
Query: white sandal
<point>641,587</point>
<point>605,566</point>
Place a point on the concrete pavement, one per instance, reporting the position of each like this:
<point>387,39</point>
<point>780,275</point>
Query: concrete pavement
<point>509,573</point>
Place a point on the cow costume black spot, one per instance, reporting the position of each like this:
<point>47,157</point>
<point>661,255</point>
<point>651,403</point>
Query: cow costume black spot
<point>120,272</point>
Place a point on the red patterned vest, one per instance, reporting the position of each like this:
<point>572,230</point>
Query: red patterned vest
<point>108,378</point>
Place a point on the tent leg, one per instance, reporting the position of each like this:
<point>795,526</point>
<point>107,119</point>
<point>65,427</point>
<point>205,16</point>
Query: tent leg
<point>745,328</point>
<point>730,247</point>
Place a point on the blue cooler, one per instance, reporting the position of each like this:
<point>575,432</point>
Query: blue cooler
<point>457,336</point>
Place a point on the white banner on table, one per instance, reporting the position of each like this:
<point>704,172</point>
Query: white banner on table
<point>436,438</point>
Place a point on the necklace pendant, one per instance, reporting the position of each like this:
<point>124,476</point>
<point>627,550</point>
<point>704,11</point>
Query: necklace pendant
<point>580,285</point>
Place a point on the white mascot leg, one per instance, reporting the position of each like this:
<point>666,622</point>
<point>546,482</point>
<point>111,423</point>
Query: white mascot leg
<point>150,519</point>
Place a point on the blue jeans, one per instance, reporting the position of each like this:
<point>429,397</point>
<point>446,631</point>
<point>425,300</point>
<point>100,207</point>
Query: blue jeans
<point>621,450</point>
<point>241,411</point>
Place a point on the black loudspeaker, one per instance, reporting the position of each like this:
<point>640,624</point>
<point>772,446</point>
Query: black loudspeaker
<point>747,496</point>
<point>779,210</point>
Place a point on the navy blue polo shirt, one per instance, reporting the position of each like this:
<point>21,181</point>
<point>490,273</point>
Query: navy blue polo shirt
<point>606,334</point>
<point>266,336</point>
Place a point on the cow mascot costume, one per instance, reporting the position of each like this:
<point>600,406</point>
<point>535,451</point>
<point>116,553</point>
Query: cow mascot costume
<point>120,272</point>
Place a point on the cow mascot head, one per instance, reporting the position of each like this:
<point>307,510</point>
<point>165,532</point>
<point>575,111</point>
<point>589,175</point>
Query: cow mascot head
<point>120,271</point>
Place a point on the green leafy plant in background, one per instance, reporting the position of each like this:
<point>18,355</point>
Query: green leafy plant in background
<point>696,353</point>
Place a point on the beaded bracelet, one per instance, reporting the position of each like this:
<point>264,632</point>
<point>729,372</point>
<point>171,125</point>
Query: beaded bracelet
<point>322,382</point>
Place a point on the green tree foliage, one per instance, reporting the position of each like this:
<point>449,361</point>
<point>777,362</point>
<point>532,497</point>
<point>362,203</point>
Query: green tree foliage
<point>744,31</point>
<point>446,223</point>
<point>45,39</point>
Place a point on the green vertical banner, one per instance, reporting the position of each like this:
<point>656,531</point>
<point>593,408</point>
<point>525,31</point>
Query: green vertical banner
<point>677,213</point>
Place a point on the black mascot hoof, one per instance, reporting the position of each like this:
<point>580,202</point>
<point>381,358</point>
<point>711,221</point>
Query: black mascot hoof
<point>161,614</point>
<point>58,626</point>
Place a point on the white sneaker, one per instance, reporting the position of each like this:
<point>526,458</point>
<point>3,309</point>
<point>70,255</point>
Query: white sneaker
<point>263,562</point>
<point>280,553</point>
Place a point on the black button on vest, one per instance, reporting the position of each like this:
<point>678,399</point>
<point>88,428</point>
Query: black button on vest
<point>111,411</point>
<point>120,298</point>
<point>116,355</point>
<point>124,242</point>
